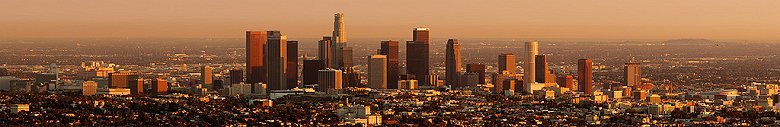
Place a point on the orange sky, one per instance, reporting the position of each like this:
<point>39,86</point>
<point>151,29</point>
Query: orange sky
<point>530,19</point>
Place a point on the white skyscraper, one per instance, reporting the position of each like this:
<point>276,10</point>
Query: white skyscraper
<point>377,72</point>
<point>529,67</point>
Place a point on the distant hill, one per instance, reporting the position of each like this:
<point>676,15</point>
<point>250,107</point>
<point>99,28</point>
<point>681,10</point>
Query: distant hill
<point>690,42</point>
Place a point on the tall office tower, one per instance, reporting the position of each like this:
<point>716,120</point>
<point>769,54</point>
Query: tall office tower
<point>417,55</point>
<point>529,67</point>
<point>339,41</point>
<point>159,86</point>
<point>389,48</point>
<point>336,55</point>
<point>275,61</point>
<point>452,63</point>
<point>255,56</point>
<point>479,69</point>
<point>351,77</point>
<point>632,74</point>
<point>566,81</point>
<point>377,72</point>
<point>292,64</point>
<point>541,69</point>
<point>585,75</point>
<point>310,69</point>
<point>206,75</point>
<point>329,79</point>
<point>236,76</point>
<point>136,86</point>
<point>346,57</point>
<point>325,51</point>
<point>506,62</point>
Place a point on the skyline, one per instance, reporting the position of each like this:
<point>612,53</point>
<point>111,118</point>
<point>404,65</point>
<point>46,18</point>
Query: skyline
<point>486,74</point>
<point>599,20</point>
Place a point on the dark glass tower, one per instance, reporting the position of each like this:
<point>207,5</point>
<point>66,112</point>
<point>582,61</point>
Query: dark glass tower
<point>292,64</point>
<point>418,54</point>
<point>390,49</point>
<point>453,62</point>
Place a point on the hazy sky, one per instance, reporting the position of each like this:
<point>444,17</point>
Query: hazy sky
<point>534,19</point>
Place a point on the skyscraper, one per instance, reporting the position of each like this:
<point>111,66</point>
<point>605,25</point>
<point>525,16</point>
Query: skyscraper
<point>453,62</point>
<point>541,69</point>
<point>339,41</point>
<point>236,76</point>
<point>339,35</point>
<point>585,75</point>
<point>390,49</point>
<point>377,71</point>
<point>275,60</point>
<point>632,74</point>
<point>310,70</point>
<point>479,69</point>
<point>255,56</point>
<point>206,76</point>
<point>506,62</point>
<point>325,51</point>
<point>417,57</point>
<point>346,57</point>
<point>329,79</point>
<point>529,67</point>
<point>292,64</point>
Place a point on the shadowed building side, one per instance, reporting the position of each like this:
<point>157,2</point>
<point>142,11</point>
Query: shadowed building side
<point>292,64</point>
<point>276,61</point>
<point>418,55</point>
<point>389,48</point>
<point>453,63</point>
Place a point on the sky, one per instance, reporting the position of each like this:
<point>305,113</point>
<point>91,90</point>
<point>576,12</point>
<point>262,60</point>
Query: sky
<point>530,19</point>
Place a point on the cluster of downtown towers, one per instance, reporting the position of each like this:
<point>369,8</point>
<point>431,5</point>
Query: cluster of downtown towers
<point>272,59</point>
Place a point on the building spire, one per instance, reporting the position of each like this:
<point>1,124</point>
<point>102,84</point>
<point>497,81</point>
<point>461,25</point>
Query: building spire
<point>339,35</point>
